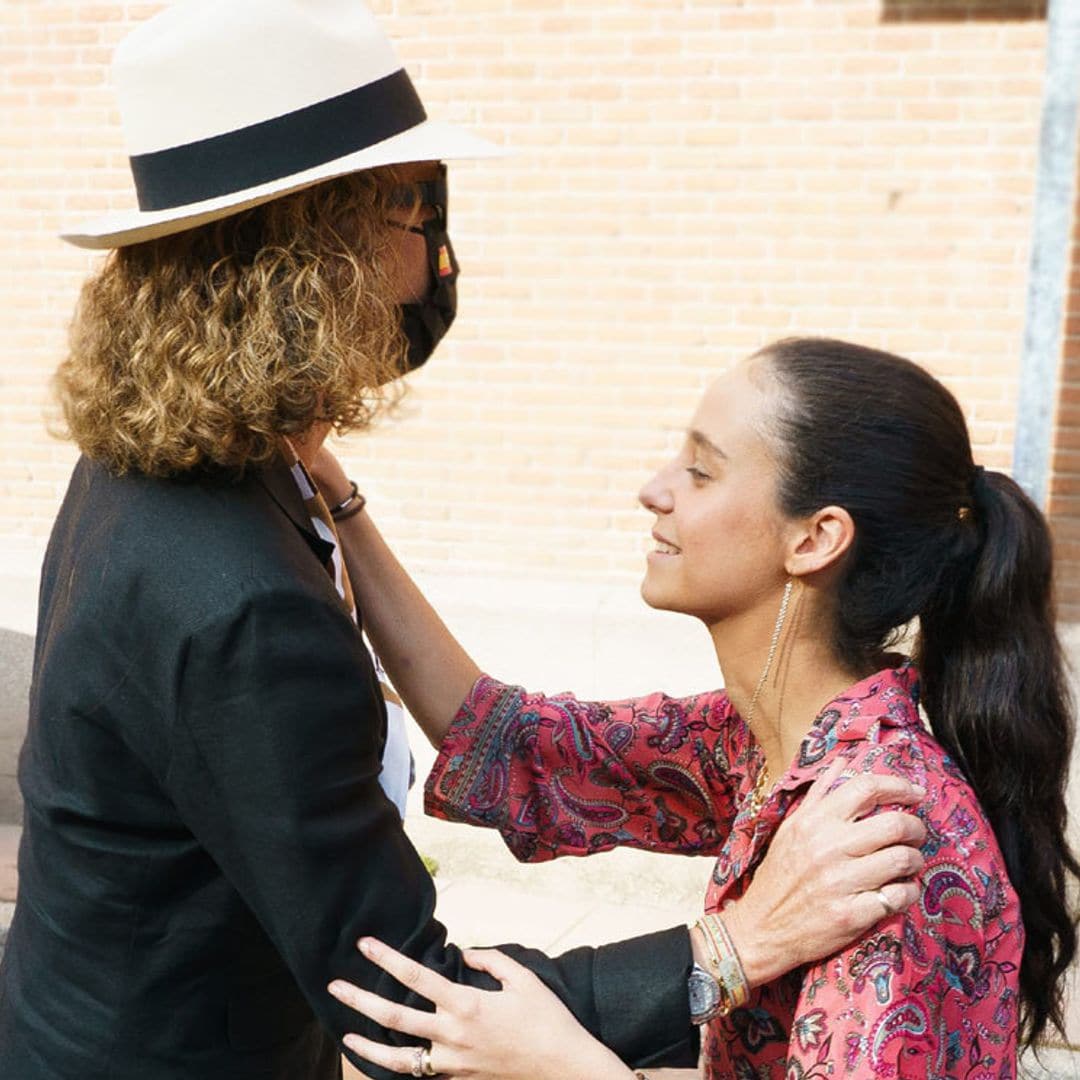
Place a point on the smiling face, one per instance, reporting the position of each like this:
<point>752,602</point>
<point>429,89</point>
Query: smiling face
<point>721,541</point>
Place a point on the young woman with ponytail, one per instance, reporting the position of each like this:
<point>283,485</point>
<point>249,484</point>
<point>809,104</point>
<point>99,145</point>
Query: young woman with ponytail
<point>824,509</point>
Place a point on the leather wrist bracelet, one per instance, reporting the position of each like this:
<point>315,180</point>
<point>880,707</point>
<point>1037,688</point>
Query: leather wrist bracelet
<point>353,503</point>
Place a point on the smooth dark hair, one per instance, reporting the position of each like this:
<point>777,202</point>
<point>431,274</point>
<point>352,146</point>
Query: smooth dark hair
<point>967,553</point>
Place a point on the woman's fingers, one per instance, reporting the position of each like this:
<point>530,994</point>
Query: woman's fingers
<point>398,1059</point>
<point>870,907</point>
<point>884,830</point>
<point>417,978</point>
<point>901,894</point>
<point>498,965</point>
<point>387,1014</point>
<point>865,793</point>
<point>820,787</point>
<point>879,868</point>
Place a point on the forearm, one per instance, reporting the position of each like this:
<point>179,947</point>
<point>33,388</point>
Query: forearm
<point>426,663</point>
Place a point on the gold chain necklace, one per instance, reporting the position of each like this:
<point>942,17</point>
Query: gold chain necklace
<point>759,792</point>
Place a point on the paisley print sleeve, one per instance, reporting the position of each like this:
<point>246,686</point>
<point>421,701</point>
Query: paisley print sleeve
<point>930,992</point>
<point>902,1005</point>
<point>558,776</point>
<point>860,1014</point>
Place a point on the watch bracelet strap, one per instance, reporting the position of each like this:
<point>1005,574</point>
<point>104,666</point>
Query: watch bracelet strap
<point>727,970</point>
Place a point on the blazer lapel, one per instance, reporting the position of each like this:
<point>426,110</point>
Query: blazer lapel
<point>279,483</point>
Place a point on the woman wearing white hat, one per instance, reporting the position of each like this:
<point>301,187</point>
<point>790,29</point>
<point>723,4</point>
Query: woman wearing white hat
<point>212,789</point>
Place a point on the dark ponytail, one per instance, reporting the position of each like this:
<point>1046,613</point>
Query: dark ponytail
<point>994,686</point>
<point>968,554</point>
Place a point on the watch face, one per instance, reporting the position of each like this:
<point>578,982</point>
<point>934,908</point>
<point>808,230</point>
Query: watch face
<point>704,994</point>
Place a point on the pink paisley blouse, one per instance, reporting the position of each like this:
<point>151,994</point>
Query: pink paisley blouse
<point>928,993</point>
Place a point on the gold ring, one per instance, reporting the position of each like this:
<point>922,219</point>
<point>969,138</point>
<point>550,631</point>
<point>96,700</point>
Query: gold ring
<point>425,1062</point>
<point>889,909</point>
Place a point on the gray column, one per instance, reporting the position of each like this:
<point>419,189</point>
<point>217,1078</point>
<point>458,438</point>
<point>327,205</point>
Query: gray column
<point>1050,248</point>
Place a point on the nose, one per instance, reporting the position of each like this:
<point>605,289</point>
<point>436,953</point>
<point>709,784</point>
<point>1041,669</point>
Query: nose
<point>655,495</point>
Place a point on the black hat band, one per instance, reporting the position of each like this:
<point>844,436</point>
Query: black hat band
<point>283,146</point>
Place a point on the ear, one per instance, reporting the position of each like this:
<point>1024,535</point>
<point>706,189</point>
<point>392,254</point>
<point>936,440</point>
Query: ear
<point>819,541</point>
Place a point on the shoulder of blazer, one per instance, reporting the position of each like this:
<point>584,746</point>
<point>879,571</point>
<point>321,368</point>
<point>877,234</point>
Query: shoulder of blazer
<point>209,507</point>
<point>191,544</point>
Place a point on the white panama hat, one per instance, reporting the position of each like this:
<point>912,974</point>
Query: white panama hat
<point>226,104</point>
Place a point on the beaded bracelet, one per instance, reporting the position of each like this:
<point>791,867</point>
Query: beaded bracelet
<point>710,944</point>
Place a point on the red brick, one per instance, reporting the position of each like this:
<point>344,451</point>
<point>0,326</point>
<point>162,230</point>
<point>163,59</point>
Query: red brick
<point>691,180</point>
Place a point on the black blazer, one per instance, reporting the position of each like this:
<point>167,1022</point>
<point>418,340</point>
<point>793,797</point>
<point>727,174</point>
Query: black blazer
<point>205,835</point>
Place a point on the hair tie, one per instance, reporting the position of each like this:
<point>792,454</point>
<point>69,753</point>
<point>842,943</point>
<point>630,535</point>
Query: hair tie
<point>977,490</point>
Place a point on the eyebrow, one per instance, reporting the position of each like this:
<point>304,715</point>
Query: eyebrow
<point>699,438</point>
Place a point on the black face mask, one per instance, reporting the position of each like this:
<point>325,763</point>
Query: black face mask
<point>426,321</point>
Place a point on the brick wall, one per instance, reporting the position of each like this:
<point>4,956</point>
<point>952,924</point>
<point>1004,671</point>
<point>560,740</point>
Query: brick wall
<point>691,179</point>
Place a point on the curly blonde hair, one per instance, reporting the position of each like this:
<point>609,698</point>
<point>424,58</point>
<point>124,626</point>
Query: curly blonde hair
<point>199,350</point>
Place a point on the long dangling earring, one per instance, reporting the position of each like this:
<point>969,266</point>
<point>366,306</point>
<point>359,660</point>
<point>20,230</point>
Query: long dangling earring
<point>763,784</point>
<point>787,650</point>
<point>781,616</point>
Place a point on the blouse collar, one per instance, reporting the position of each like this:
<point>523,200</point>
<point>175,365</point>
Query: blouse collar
<point>887,699</point>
